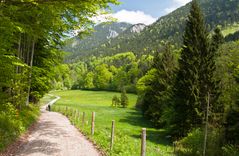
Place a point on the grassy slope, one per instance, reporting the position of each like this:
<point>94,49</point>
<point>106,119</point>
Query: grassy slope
<point>13,123</point>
<point>128,123</point>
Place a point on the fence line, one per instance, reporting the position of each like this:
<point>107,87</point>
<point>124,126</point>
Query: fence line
<point>75,115</point>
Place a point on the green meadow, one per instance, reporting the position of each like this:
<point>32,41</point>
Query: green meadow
<point>128,123</point>
<point>230,29</point>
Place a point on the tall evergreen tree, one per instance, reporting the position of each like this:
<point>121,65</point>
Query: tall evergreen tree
<point>164,66</point>
<point>217,107</point>
<point>159,82</point>
<point>191,82</point>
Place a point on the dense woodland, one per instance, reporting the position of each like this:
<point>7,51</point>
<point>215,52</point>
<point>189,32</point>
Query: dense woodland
<point>32,32</point>
<point>186,74</point>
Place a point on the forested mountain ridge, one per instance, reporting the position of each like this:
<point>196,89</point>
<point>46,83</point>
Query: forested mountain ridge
<point>102,33</point>
<point>170,27</point>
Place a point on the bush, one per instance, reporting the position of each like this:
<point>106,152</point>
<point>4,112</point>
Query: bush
<point>193,143</point>
<point>124,99</point>
<point>14,122</point>
<point>230,150</point>
<point>115,101</point>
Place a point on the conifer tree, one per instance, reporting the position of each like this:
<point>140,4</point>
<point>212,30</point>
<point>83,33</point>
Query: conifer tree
<point>189,100</point>
<point>124,99</point>
<point>213,84</point>
<point>159,93</point>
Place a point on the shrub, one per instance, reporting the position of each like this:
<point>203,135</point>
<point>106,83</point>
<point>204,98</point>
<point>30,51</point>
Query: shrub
<point>193,143</point>
<point>115,101</point>
<point>13,122</point>
<point>230,150</point>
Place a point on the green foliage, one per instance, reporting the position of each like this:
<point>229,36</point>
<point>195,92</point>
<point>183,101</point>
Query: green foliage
<point>196,78</point>
<point>155,88</point>
<point>32,32</point>
<point>230,150</point>
<point>124,101</point>
<point>102,76</point>
<point>14,122</point>
<point>102,73</point>
<point>192,144</point>
<point>232,125</point>
<point>232,37</point>
<point>116,101</point>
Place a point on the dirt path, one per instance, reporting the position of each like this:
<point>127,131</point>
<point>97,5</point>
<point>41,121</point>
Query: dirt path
<point>55,136</point>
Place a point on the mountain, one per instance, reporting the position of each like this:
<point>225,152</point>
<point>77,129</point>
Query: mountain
<point>168,28</point>
<point>102,33</point>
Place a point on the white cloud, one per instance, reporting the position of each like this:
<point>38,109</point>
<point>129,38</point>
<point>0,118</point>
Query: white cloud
<point>176,4</point>
<point>132,17</point>
<point>181,2</point>
<point>168,10</point>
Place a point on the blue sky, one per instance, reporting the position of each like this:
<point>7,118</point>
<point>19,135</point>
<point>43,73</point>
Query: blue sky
<point>145,11</point>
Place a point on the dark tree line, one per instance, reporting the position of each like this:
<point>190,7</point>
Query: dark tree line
<point>176,96</point>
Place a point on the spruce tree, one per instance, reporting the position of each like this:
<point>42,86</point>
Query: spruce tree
<point>189,104</point>
<point>213,84</point>
<point>159,93</point>
<point>124,99</point>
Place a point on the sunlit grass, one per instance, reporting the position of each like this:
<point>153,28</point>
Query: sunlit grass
<point>230,29</point>
<point>129,123</point>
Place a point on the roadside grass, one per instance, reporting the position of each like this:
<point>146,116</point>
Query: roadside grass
<point>13,122</point>
<point>128,123</point>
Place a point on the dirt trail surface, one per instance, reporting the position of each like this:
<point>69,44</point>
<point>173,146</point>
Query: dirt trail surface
<point>55,136</point>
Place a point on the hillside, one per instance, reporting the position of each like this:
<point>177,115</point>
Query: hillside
<point>170,27</point>
<point>102,33</point>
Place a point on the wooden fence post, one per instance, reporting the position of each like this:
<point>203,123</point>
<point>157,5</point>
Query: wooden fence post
<point>174,147</point>
<point>83,119</point>
<point>75,116</point>
<point>78,116</point>
<point>143,142</point>
<point>71,112</point>
<point>93,123</point>
<point>112,135</point>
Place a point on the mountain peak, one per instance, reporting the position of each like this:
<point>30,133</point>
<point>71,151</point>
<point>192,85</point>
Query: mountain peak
<point>112,34</point>
<point>137,28</point>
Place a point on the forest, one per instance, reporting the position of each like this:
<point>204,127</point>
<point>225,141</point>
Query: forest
<point>186,79</point>
<point>31,33</point>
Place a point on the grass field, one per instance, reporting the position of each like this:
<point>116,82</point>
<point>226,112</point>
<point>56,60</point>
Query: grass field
<point>230,29</point>
<point>128,123</point>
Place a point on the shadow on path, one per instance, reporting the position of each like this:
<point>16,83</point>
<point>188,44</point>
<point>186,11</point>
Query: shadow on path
<point>40,146</point>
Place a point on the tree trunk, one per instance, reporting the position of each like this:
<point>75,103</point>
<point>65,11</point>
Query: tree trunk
<point>30,73</point>
<point>19,52</point>
<point>206,126</point>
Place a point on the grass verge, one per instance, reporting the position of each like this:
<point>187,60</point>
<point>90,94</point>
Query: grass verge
<point>15,122</point>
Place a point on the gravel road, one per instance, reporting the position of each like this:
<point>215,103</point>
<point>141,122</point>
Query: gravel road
<point>55,136</point>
